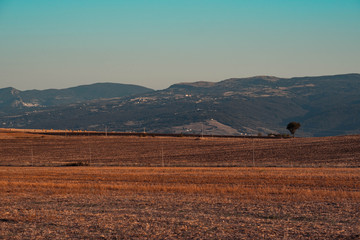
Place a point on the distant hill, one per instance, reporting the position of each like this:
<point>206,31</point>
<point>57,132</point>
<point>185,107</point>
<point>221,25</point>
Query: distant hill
<point>324,105</point>
<point>13,100</point>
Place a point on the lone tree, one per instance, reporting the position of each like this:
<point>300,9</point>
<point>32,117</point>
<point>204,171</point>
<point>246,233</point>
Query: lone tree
<point>292,127</point>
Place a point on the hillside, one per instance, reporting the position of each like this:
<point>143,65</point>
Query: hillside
<point>325,106</point>
<point>16,101</point>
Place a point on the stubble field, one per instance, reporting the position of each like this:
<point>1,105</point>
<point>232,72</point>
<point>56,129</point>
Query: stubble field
<point>170,188</point>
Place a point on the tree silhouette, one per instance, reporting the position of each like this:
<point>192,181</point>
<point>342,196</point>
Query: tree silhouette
<point>292,127</point>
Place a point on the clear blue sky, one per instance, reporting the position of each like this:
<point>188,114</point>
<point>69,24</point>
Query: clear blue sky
<point>155,43</point>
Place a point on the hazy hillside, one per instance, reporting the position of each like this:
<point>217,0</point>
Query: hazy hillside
<point>326,105</point>
<point>13,100</point>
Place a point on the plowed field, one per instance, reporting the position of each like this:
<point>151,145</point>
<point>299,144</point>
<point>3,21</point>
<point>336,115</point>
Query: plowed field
<point>35,150</point>
<point>123,187</point>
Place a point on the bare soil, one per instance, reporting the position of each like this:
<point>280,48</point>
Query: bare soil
<point>173,216</point>
<point>178,188</point>
<point>179,203</point>
<point>19,149</point>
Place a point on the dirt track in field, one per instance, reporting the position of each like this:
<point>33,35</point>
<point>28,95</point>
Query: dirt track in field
<point>17,149</point>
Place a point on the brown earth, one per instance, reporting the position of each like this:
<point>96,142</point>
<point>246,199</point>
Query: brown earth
<point>302,188</point>
<point>179,203</point>
<point>24,149</point>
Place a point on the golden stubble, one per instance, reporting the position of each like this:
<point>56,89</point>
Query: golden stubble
<point>262,184</point>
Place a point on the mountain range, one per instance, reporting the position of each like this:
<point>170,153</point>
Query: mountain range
<point>13,100</point>
<point>324,105</point>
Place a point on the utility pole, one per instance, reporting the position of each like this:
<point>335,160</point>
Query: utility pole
<point>32,156</point>
<point>162,157</point>
<point>202,130</point>
<point>253,152</point>
<point>106,131</point>
<point>90,155</point>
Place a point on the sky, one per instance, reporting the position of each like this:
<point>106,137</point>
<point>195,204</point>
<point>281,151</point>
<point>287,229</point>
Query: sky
<point>156,43</point>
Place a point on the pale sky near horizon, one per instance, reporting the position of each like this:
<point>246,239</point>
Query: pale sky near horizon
<point>156,43</point>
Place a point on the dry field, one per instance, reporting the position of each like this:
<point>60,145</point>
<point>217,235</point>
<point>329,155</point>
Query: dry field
<point>20,149</point>
<point>171,188</point>
<point>187,203</point>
